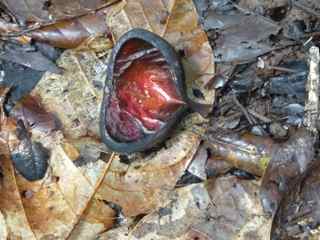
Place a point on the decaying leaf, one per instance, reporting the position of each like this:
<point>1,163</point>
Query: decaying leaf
<point>198,164</point>
<point>225,208</point>
<point>28,57</point>
<point>71,33</point>
<point>299,212</point>
<point>43,11</point>
<point>289,163</point>
<point>185,208</point>
<point>33,115</point>
<point>244,151</point>
<point>236,211</point>
<point>28,127</point>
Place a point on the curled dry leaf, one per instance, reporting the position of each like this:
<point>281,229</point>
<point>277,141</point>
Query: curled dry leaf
<point>244,151</point>
<point>177,22</point>
<point>71,33</point>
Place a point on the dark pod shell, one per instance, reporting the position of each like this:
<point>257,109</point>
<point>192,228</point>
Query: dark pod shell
<point>30,158</point>
<point>149,139</point>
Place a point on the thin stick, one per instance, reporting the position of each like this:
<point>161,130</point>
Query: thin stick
<point>311,110</point>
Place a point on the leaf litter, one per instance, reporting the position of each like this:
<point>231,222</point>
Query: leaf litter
<point>244,169</point>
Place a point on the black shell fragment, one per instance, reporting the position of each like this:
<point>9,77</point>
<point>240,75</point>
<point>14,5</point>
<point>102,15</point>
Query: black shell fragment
<point>30,158</point>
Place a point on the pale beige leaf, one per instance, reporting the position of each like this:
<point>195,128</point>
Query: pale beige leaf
<point>54,205</point>
<point>11,206</point>
<point>97,218</point>
<point>3,227</point>
<point>75,96</point>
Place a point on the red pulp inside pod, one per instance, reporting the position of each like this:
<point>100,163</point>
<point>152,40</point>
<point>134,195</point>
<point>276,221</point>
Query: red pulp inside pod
<point>145,94</point>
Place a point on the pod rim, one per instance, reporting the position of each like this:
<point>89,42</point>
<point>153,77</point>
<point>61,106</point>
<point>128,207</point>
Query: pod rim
<point>174,63</point>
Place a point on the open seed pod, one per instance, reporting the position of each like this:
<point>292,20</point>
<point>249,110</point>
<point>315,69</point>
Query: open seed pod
<point>144,93</point>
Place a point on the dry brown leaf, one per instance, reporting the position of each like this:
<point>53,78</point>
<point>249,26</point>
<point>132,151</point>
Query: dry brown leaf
<point>54,205</point>
<point>226,208</point>
<point>236,211</point>
<point>34,116</point>
<point>3,227</point>
<point>244,151</point>
<point>71,33</point>
<point>10,203</point>
<point>43,11</point>
<point>185,208</point>
<point>143,185</point>
<point>97,218</point>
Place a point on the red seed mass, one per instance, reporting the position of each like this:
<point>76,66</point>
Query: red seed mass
<point>145,93</point>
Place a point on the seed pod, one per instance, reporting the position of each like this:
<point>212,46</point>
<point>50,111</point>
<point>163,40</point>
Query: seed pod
<point>144,93</point>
